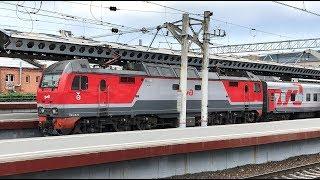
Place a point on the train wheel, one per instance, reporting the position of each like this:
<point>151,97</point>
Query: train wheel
<point>144,125</point>
<point>218,119</point>
<point>122,124</point>
<point>250,117</point>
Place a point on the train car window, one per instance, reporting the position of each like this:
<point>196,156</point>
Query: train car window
<point>315,97</point>
<point>129,80</point>
<point>197,87</point>
<point>84,82</point>
<point>75,83</point>
<point>257,87</point>
<point>103,85</point>
<point>308,97</point>
<point>293,97</point>
<point>233,84</point>
<point>175,86</point>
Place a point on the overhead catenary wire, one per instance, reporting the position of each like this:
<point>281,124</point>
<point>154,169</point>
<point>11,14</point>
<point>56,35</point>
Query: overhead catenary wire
<point>182,11</point>
<point>300,9</point>
<point>234,24</point>
<point>55,22</point>
<point>58,18</point>
<point>72,17</point>
<point>17,10</point>
<point>113,8</point>
<point>76,18</point>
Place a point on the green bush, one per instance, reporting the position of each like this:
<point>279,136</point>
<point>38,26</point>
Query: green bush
<point>17,97</point>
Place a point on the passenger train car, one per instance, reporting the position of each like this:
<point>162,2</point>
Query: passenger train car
<point>76,98</point>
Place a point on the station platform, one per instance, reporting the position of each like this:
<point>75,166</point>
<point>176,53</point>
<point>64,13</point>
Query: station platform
<point>18,105</point>
<point>19,156</point>
<point>18,121</point>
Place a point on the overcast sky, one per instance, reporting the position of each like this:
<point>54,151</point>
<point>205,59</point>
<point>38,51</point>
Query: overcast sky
<point>265,16</point>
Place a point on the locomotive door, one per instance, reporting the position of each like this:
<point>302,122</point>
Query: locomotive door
<point>246,97</point>
<point>271,100</point>
<point>102,98</point>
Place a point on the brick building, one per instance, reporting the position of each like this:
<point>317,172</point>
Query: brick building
<point>10,79</point>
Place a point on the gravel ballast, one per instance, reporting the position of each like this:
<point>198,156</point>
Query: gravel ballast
<point>253,169</point>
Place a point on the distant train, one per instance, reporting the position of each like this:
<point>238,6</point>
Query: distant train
<point>76,98</point>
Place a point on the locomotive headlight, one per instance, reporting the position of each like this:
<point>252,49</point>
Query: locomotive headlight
<point>54,110</point>
<point>40,110</point>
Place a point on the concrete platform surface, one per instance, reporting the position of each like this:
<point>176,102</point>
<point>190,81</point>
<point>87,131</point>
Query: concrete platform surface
<point>18,121</point>
<point>17,117</point>
<point>34,148</point>
<point>47,153</point>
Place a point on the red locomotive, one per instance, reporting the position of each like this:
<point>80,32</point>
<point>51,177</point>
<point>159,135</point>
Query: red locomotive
<point>76,98</point>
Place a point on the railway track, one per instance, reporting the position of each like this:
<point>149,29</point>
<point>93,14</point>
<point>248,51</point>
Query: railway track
<point>310,171</point>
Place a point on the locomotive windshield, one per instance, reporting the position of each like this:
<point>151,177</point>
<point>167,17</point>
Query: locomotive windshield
<point>51,75</point>
<point>50,80</point>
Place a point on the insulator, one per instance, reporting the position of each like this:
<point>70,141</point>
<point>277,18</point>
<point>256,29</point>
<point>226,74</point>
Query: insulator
<point>144,30</point>
<point>114,30</point>
<point>113,8</point>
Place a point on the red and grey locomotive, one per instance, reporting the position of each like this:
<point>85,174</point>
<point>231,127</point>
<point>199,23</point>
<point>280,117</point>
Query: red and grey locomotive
<point>76,98</point>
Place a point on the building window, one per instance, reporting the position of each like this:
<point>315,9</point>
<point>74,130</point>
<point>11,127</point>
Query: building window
<point>9,78</point>
<point>308,97</point>
<point>197,87</point>
<point>315,97</point>
<point>27,78</point>
<point>37,78</point>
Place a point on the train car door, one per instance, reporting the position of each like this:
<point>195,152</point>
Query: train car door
<point>103,97</point>
<point>271,100</point>
<point>246,97</point>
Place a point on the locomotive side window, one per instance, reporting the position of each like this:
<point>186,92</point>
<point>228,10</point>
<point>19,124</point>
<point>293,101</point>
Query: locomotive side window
<point>293,97</point>
<point>80,82</point>
<point>308,97</point>
<point>175,86</point>
<point>197,87</point>
<point>75,83</point>
<point>257,87</point>
<point>315,97</point>
<point>84,82</point>
<point>102,85</point>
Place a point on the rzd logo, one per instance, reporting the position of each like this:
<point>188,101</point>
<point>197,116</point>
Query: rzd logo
<point>288,94</point>
<point>190,92</point>
<point>78,96</point>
